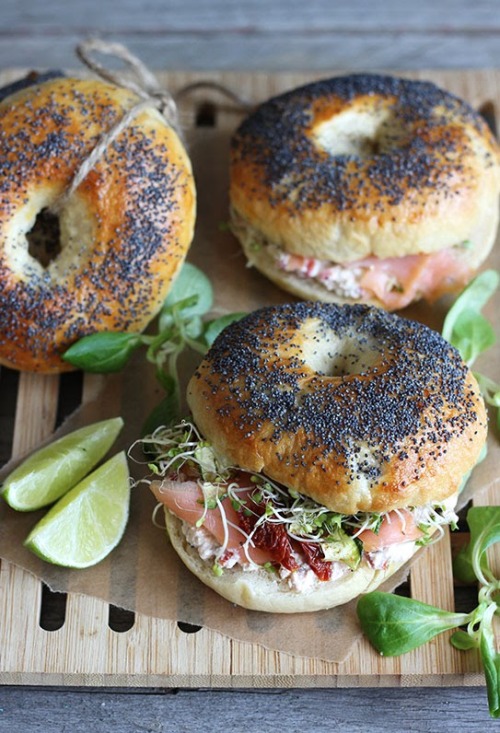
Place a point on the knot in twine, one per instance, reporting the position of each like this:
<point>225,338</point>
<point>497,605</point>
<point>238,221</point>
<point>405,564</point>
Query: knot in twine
<point>141,82</point>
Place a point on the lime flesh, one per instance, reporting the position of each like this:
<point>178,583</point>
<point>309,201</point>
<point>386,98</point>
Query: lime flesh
<point>54,469</point>
<point>89,521</point>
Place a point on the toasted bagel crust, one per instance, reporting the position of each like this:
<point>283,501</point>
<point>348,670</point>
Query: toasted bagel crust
<point>361,165</point>
<point>124,232</point>
<point>359,409</point>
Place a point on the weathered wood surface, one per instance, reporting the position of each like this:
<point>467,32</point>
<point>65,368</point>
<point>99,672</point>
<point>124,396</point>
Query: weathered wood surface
<point>259,34</point>
<point>224,34</point>
<point>208,711</point>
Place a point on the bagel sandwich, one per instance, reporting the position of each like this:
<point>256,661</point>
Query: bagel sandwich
<point>365,188</point>
<point>325,445</point>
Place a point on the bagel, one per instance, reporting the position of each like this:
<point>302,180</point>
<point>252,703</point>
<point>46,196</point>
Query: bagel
<point>118,241</point>
<point>324,440</point>
<point>365,188</point>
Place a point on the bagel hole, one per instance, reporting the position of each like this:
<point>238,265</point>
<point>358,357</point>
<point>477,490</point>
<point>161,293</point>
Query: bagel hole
<point>359,134</point>
<point>333,366</point>
<point>341,364</point>
<point>44,238</point>
<point>331,357</point>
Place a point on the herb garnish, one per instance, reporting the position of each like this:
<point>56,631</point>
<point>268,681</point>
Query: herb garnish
<point>180,325</point>
<point>469,331</point>
<point>396,625</point>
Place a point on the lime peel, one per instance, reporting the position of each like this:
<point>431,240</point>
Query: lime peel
<point>88,522</point>
<point>51,471</point>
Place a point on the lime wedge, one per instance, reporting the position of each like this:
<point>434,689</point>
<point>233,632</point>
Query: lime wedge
<point>51,471</point>
<point>88,522</point>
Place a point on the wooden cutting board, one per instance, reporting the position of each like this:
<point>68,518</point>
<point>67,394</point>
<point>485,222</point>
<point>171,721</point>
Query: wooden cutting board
<point>94,644</point>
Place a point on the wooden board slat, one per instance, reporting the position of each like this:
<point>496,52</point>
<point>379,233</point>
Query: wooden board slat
<point>223,34</point>
<point>154,652</point>
<point>36,411</point>
<point>259,16</point>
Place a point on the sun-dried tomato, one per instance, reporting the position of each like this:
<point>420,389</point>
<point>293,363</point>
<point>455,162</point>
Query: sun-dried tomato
<point>273,538</point>
<point>270,537</point>
<point>314,556</point>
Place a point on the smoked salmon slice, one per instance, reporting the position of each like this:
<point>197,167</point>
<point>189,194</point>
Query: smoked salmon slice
<point>395,281</point>
<point>398,526</point>
<point>185,499</point>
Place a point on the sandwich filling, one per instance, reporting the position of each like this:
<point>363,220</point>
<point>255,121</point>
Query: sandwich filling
<point>394,281</point>
<point>237,520</point>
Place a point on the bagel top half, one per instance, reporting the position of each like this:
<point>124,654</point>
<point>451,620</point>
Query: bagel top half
<point>359,409</point>
<point>365,165</point>
<point>124,233</point>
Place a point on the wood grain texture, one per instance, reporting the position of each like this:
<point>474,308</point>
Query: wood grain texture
<point>206,16</point>
<point>238,711</point>
<point>36,411</point>
<point>259,35</point>
<point>224,34</point>
<point>290,51</point>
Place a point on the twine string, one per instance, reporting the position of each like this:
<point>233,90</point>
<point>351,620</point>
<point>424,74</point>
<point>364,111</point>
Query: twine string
<point>140,79</point>
<point>145,83</point>
<point>142,82</point>
<point>241,104</point>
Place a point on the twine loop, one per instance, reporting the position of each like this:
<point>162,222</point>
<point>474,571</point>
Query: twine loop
<point>144,84</point>
<point>141,81</point>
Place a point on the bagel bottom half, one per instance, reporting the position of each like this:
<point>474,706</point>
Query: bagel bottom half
<point>260,590</point>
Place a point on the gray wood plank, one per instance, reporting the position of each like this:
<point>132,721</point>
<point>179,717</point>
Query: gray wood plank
<point>268,52</point>
<point>205,16</point>
<point>259,35</point>
<point>381,710</point>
